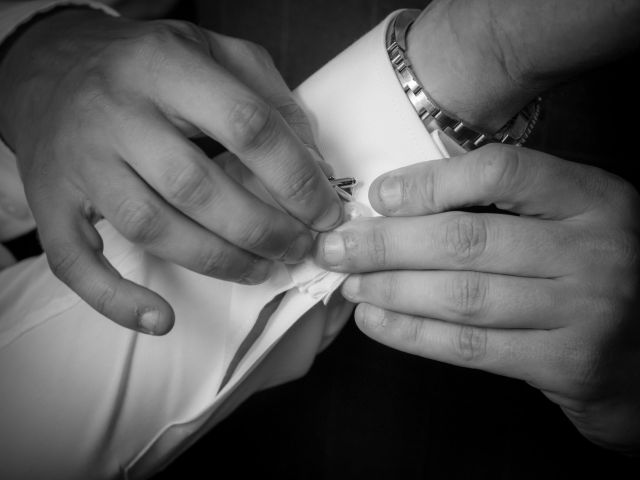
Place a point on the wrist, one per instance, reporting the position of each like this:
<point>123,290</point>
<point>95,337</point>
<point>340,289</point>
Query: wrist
<point>459,62</point>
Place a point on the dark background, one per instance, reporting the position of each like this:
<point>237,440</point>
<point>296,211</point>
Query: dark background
<point>364,410</point>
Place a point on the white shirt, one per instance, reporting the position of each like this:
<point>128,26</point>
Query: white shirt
<point>83,398</point>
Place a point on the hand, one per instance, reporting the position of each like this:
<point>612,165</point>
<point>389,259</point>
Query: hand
<point>550,296</point>
<point>99,111</point>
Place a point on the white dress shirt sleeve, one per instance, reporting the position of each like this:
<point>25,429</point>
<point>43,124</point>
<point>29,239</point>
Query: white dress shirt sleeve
<point>85,398</point>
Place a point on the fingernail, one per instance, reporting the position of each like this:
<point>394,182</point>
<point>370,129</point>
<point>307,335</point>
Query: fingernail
<point>258,274</point>
<point>351,287</point>
<point>149,322</point>
<point>298,249</point>
<point>333,248</point>
<point>390,192</point>
<point>331,218</point>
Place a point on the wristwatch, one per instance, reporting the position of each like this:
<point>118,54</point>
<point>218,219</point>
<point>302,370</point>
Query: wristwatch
<point>514,132</point>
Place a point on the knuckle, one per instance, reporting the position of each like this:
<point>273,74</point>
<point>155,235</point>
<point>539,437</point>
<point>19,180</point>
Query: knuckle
<point>187,185</point>
<point>465,237</point>
<point>214,262</point>
<point>577,367</point>
<point>295,118</point>
<point>612,247</point>
<point>467,294</point>
<point>138,221</point>
<point>156,37</point>
<point>145,53</point>
<point>471,343</point>
<point>256,235</point>
<point>301,186</point>
<point>596,183</point>
<point>376,246</point>
<point>352,245</point>
<point>91,96</point>
<point>63,259</point>
<point>621,248</point>
<point>389,288</point>
<point>426,189</point>
<point>570,240</point>
<point>252,125</point>
<point>499,167</point>
<point>629,251</point>
<point>104,296</point>
<point>255,52</point>
<point>291,111</point>
<point>614,192</point>
<point>626,195</point>
<point>183,29</point>
<point>412,331</point>
<point>145,50</point>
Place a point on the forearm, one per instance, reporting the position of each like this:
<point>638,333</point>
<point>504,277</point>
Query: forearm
<point>483,60</point>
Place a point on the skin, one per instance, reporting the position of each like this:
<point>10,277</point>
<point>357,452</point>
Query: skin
<point>549,295</point>
<point>99,111</point>
<point>6,258</point>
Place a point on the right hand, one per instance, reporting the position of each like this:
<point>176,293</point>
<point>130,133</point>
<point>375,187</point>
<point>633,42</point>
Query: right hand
<point>99,110</point>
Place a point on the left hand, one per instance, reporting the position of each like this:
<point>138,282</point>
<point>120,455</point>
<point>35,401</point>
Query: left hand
<point>550,296</point>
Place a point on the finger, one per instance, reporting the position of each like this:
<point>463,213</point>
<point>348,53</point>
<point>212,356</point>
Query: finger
<point>516,179</point>
<point>247,125</point>
<point>252,65</point>
<point>236,170</point>
<point>143,218</point>
<point>468,298</point>
<point>74,252</point>
<point>488,243</point>
<point>198,187</point>
<point>516,354</point>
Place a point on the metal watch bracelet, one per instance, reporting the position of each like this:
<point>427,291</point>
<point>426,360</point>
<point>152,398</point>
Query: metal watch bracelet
<point>515,132</point>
